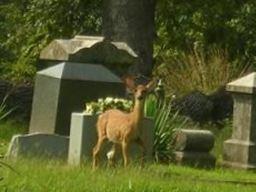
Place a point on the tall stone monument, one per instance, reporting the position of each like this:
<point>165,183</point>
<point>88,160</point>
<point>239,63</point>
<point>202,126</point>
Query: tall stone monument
<point>63,89</point>
<point>240,150</point>
<point>76,71</point>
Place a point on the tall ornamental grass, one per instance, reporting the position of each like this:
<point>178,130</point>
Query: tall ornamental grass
<point>198,70</point>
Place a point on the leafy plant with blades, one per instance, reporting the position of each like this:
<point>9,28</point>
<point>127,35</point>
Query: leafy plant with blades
<point>166,124</point>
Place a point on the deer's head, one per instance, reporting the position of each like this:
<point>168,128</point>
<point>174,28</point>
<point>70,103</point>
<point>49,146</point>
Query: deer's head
<point>139,91</point>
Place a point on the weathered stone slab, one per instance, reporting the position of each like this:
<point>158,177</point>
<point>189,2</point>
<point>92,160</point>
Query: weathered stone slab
<point>38,145</point>
<point>63,89</point>
<point>192,147</point>
<point>240,150</point>
<point>239,154</point>
<point>197,159</point>
<point>194,140</point>
<point>83,137</point>
<point>117,56</point>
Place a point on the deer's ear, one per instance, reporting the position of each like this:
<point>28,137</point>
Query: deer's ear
<point>151,85</point>
<point>129,82</point>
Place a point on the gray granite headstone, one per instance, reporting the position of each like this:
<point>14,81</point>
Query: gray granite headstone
<point>38,145</point>
<point>83,137</point>
<point>192,147</point>
<point>117,56</point>
<point>63,89</point>
<point>240,149</point>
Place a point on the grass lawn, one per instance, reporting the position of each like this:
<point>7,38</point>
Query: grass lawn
<point>7,130</point>
<point>56,176</point>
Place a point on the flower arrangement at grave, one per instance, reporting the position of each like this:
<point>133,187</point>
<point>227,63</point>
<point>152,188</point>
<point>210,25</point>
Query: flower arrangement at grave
<point>104,104</point>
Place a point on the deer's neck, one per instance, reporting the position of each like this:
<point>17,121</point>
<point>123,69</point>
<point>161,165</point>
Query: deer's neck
<point>137,112</point>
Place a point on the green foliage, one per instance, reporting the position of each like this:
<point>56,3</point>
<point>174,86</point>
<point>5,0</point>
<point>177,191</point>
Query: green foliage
<point>226,24</point>
<point>8,128</point>
<point>166,124</point>
<point>28,26</point>
<point>56,176</point>
<point>150,106</point>
<point>198,70</point>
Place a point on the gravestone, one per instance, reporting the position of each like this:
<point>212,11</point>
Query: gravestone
<point>38,145</point>
<point>117,56</point>
<point>83,137</point>
<point>63,89</point>
<point>240,149</point>
<point>192,147</point>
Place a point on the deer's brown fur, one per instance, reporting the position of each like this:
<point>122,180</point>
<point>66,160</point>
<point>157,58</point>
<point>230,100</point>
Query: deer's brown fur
<point>122,128</point>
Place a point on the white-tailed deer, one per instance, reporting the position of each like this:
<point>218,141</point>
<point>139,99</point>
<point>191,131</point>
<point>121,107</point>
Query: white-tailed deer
<point>123,128</point>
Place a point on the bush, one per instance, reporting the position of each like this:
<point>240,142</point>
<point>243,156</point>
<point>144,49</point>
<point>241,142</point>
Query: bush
<point>198,70</point>
<point>28,26</point>
<point>226,24</point>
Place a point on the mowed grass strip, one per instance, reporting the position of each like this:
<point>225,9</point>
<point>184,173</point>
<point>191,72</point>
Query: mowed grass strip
<point>9,128</point>
<point>57,176</point>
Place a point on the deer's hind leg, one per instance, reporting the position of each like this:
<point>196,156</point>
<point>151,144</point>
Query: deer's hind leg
<point>96,151</point>
<point>125,152</point>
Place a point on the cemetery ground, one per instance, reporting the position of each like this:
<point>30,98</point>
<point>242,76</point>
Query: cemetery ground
<point>55,175</point>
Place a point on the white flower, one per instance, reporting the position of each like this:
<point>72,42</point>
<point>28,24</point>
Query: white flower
<point>116,100</point>
<point>100,100</point>
<point>109,100</point>
<point>89,109</point>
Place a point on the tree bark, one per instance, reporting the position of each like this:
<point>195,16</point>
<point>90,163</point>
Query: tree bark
<point>132,21</point>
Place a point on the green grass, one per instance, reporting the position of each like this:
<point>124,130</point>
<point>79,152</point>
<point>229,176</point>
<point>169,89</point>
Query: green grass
<point>8,128</point>
<point>56,176</point>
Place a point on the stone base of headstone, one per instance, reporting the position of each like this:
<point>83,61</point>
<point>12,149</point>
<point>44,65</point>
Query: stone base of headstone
<point>196,159</point>
<point>193,148</point>
<point>38,145</point>
<point>247,154</point>
<point>83,137</point>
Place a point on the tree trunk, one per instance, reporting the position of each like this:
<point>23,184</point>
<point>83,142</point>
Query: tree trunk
<point>132,21</point>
